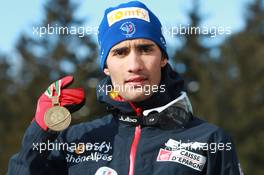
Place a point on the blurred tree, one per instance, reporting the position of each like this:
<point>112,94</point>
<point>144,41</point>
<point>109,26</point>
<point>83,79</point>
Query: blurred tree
<point>5,103</point>
<point>193,61</point>
<point>242,99</point>
<point>47,58</point>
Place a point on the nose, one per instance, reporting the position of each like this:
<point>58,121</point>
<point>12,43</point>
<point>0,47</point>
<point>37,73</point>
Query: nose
<point>134,63</point>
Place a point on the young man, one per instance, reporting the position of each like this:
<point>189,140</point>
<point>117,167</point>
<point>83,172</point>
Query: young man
<point>150,129</point>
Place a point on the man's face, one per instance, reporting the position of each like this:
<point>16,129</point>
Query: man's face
<point>133,65</point>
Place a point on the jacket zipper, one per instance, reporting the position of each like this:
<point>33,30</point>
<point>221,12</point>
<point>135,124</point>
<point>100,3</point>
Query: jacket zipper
<point>133,150</point>
<point>137,134</point>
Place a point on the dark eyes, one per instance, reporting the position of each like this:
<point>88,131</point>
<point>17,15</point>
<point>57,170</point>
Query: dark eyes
<point>143,49</point>
<point>120,52</point>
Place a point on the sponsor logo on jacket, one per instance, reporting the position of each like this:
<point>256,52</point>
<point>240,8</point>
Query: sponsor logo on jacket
<point>106,171</point>
<point>89,152</point>
<point>127,119</point>
<point>174,152</point>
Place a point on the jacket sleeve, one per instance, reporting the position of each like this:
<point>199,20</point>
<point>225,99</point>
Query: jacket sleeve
<point>222,157</point>
<point>35,157</point>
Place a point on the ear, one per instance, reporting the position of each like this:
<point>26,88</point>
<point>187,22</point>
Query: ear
<point>163,62</point>
<point>106,71</point>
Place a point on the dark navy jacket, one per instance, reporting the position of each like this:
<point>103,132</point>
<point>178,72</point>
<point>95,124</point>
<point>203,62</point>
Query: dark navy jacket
<point>103,146</point>
<point>115,139</point>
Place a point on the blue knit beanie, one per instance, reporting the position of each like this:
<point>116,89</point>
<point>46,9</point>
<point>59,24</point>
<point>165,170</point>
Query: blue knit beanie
<point>127,21</point>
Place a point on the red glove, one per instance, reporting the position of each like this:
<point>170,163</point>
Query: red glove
<point>72,99</point>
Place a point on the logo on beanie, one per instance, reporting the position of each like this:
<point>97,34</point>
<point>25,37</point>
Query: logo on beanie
<point>126,13</point>
<point>162,40</point>
<point>128,29</point>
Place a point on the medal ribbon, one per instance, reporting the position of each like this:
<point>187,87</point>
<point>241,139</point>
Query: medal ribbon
<point>54,87</point>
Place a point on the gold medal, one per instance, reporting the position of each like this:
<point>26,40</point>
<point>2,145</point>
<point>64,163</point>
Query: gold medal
<point>57,118</point>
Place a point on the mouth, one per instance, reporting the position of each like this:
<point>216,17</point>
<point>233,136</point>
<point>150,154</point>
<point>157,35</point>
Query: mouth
<point>137,80</point>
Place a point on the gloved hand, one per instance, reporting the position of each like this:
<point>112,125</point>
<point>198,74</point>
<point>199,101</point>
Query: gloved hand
<point>73,99</point>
